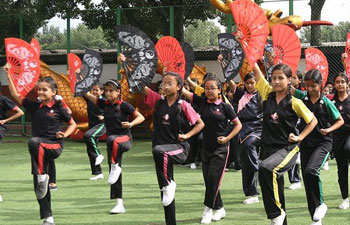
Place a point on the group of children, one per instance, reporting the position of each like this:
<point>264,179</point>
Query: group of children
<point>272,123</point>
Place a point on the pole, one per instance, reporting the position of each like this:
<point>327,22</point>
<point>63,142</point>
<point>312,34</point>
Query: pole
<point>118,47</point>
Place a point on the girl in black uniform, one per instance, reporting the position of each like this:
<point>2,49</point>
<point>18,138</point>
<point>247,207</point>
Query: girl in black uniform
<point>47,141</point>
<point>171,119</point>
<point>341,136</point>
<point>216,136</point>
<point>119,140</point>
<point>315,148</point>
<point>250,114</point>
<point>96,129</point>
<point>278,138</point>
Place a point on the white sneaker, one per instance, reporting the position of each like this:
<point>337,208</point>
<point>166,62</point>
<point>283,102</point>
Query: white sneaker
<point>325,166</point>
<point>116,170</point>
<point>118,208</point>
<point>296,185</point>
<point>99,160</point>
<point>279,219</point>
<point>0,198</point>
<point>219,214</point>
<point>207,215</point>
<point>97,177</point>
<point>251,200</point>
<point>345,204</point>
<point>317,222</point>
<point>320,212</point>
<point>193,166</point>
<point>168,193</point>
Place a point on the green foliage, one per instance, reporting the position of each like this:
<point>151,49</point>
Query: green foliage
<point>337,33</point>
<point>202,34</point>
<point>81,38</point>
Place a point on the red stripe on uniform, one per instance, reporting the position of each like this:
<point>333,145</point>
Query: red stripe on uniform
<point>165,161</point>
<point>116,141</point>
<point>41,154</point>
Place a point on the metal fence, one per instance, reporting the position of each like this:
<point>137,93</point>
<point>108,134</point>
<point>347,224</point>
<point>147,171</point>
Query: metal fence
<point>188,22</point>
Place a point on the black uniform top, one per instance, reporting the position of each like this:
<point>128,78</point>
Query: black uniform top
<point>216,117</point>
<point>325,112</point>
<point>46,119</point>
<point>93,111</point>
<point>169,121</point>
<point>5,105</point>
<point>280,119</point>
<point>344,109</point>
<point>249,112</point>
<point>115,114</point>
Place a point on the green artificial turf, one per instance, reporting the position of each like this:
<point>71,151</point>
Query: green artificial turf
<point>81,201</point>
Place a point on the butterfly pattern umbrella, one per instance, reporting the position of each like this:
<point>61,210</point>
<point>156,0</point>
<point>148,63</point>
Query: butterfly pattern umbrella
<point>24,63</point>
<point>251,21</point>
<point>141,58</point>
<point>171,55</point>
<point>74,63</point>
<point>315,59</point>
<point>233,55</point>
<point>90,74</point>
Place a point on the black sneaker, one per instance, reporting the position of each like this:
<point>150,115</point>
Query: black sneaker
<point>41,188</point>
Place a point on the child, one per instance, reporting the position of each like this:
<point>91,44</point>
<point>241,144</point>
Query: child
<point>170,117</point>
<point>119,140</point>
<point>47,141</point>
<point>96,129</point>
<point>216,136</point>
<point>278,138</point>
<point>7,105</point>
<point>250,114</point>
<point>341,137</point>
<point>315,148</point>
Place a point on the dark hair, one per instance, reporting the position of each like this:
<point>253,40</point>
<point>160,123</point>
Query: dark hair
<point>315,76</point>
<point>285,68</point>
<point>248,76</point>
<point>178,79</point>
<point>100,86</point>
<point>52,83</point>
<point>299,74</point>
<point>115,85</point>
<point>346,78</point>
<point>208,75</point>
<point>218,83</point>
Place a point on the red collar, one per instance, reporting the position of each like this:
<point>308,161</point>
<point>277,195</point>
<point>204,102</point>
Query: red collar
<point>118,102</point>
<point>217,102</point>
<point>50,104</point>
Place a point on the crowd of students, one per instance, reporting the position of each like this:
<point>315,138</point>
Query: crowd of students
<point>266,126</point>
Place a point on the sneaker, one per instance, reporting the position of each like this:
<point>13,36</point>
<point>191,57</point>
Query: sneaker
<point>41,188</point>
<point>207,215</point>
<point>294,186</point>
<point>168,193</point>
<point>279,219</point>
<point>317,222</point>
<point>320,212</point>
<point>251,200</point>
<point>99,160</point>
<point>53,187</point>
<point>47,223</point>
<point>219,214</point>
<point>118,208</point>
<point>193,166</point>
<point>116,170</point>
<point>97,177</point>
<point>325,166</point>
<point>345,204</point>
<point>0,198</point>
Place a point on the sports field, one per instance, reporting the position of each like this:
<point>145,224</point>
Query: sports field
<point>81,201</point>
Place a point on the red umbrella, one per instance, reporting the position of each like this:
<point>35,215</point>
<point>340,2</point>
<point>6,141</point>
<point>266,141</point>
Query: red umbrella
<point>36,46</point>
<point>25,65</point>
<point>347,60</point>
<point>74,63</point>
<point>170,53</point>
<point>251,21</point>
<point>286,46</point>
<point>315,59</point>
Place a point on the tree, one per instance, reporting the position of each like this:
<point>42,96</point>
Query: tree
<point>153,21</point>
<point>316,8</point>
<point>337,33</point>
<point>202,34</point>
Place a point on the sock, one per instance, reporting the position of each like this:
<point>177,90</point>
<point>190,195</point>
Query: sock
<point>49,219</point>
<point>119,201</point>
<point>41,178</point>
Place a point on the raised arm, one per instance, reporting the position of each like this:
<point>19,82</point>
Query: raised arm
<point>12,88</point>
<point>232,85</point>
<point>257,72</point>
<point>187,94</point>
<point>91,97</point>
<point>192,84</point>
